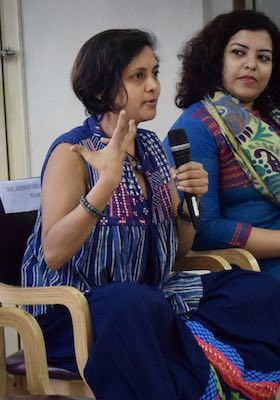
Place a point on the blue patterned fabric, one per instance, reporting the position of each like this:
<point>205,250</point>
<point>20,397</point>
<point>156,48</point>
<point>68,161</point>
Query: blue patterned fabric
<point>183,292</point>
<point>213,390</point>
<point>237,325</point>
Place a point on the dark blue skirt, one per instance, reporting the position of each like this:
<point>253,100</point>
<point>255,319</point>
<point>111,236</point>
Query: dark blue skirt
<point>143,350</point>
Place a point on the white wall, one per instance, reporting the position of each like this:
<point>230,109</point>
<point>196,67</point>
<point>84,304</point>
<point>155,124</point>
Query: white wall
<point>211,8</point>
<point>53,32</point>
<point>271,8</point>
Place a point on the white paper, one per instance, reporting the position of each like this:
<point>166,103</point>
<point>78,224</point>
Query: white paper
<point>20,195</point>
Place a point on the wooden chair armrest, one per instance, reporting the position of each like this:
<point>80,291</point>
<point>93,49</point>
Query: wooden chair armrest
<point>35,357</point>
<point>241,257</point>
<point>205,261</point>
<point>68,296</point>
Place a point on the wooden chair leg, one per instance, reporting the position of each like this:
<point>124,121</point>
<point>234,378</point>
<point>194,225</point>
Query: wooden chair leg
<point>35,358</point>
<point>3,371</point>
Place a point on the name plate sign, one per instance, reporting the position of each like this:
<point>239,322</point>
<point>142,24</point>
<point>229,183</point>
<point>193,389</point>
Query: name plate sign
<point>20,195</point>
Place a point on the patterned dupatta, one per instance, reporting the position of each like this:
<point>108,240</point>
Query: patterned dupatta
<point>255,145</point>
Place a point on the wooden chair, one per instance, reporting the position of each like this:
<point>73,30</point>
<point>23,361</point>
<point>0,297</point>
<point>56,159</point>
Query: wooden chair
<point>27,371</point>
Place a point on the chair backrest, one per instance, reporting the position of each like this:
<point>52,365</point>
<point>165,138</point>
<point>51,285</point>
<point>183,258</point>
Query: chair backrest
<point>17,198</point>
<point>14,231</point>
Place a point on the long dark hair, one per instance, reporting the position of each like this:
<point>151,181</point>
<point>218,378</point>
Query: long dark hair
<point>97,71</point>
<point>202,57</point>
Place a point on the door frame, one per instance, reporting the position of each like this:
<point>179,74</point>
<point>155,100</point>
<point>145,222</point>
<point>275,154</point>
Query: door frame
<point>17,143</point>
<point>4,171</point>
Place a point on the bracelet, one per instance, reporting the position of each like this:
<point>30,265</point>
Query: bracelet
<point>181,213</point>
<point>90,209</point>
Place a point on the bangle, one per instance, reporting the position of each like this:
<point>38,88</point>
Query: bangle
<point>181,213</point>
<point>90,209</point>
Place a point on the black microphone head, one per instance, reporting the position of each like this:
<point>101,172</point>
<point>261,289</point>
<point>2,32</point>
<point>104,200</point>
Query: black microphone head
<point>177,136</point>
<point>178,140</point>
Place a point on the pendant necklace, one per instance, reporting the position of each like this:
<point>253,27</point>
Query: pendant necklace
<point>133,160</point>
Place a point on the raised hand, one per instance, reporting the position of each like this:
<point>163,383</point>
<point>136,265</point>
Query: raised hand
<point>191,178</point>
<point>109,161</point>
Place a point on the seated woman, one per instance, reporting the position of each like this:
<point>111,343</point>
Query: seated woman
<point>109,225</point>
<point>229,90</point>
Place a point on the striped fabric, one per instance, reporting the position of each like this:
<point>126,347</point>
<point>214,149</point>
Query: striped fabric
<point>183,298</point>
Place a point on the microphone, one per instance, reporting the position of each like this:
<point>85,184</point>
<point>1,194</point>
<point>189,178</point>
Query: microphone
<point>180,149</point>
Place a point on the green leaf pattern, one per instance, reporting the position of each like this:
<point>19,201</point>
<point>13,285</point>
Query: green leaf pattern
<point>258,138</point>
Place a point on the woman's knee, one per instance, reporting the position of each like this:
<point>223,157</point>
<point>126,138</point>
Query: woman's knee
<point>121,300</point>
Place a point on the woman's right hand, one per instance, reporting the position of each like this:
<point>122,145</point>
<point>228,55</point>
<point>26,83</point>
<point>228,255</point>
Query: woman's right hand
<point>108,162</point>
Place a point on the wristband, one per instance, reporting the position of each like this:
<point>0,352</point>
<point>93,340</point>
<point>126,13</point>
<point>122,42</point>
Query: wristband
<point>182,214</point>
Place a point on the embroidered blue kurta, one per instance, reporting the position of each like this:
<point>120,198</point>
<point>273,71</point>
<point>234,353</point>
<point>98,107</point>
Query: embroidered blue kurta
<point>136,239</point>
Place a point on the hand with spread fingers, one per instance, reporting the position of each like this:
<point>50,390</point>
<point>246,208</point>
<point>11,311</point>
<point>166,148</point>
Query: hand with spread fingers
<point>108,162</point>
